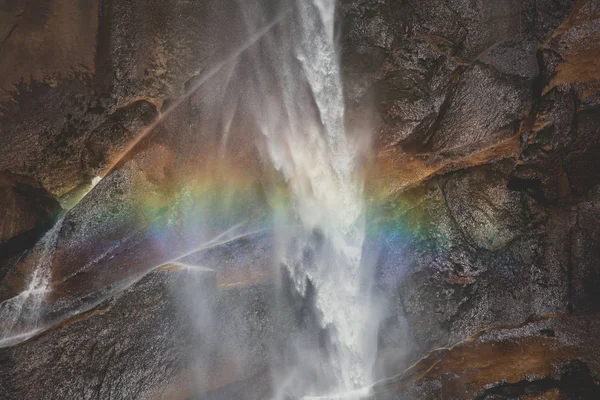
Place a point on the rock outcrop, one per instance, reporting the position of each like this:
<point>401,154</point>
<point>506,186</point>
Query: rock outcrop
<point>554,357</point>
<point>485,177</point>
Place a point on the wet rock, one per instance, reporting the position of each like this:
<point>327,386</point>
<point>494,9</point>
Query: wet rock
<point>480,246</point>
<point>561,144</point>
<point>44,130</point>
<point>575,42</point>
<point>28,210</point>
<point>148,342</point>
<point>489,215</point>
<point>470,255</point>
<point>449,79</point>
<point>468,252</point>
<point>485,106</point>
<point>242,262</point>
<point>41,43</point>
<point>144,213</point>
<point>486,153</point>
<point>555,355</point>
<point>541,171</point>
<point>581,160</point>
<point>541,18</point>
<point>48,58</point>
<point>159,203</point>
<point>110,140</point>
<point>482,104</point>
<point>514,57</point>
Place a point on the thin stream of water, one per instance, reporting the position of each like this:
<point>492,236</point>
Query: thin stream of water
<point>21,314</point>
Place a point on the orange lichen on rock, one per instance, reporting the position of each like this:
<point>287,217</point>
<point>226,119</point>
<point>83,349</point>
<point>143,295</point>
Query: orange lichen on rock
<point>577,43</point>
<point>496,358</point>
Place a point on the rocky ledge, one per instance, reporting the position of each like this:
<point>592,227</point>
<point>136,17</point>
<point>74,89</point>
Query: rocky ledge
<point>551,357</point>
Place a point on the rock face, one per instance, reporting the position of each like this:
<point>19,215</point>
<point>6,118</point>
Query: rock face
<point>485,158</point>
<point>552,358</point>
<point>146,343</point>
<point>484,197</point>
<point>27,211</point>
<point>70,70</point>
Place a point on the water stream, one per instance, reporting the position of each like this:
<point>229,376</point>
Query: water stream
<point>21,314</point>
<point>302,117</point>
<point>291,85</point>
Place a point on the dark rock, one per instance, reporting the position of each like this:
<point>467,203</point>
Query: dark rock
<point>44,42</point>
<point>28,210</point>
<point>47,58</point>
<point>489,215</point>
<point>514,57</point>
<point>471,253</point>
<point>245,261</point>
<point>162,190</point>
<point>575,43</point>
<point>450,80</point>
<point>110,140</point>
<point>67,69</point>
<point>585,248</point>
<point>516,362</point>
<point>541,170</point>
<point>486,178</point>
<point>495,244</point>
<point>148,342</point>
<point>485,106</point>
<point>541,17</point>
<point>560,147</point>
<point>582,161</point>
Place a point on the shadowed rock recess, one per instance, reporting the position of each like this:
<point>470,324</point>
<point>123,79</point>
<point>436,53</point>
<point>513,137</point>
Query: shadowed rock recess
<point>482,188</point>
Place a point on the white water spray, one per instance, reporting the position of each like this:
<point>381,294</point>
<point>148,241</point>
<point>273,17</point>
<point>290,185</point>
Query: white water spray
<point>306,141</point>
<point>299,107</point>
<point>21,314</point>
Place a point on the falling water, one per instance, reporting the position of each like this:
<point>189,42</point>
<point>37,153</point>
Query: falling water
<point>300,104</point>
<point>291,84</point>
<point>21,314</point>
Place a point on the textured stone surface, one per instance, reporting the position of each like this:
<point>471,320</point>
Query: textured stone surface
<point>68,69</point>
<point>43,42</point>
<point>27,211</point>
<point>472,254</point>
<point>146,342</point>
<point>484,188</point>
<point>554,356</point>
<point>487,160</point>
<point>162,188</point>
<point>450,73</point>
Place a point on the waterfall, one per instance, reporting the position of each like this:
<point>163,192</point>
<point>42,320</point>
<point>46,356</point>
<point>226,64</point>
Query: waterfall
<point>287,86</point>
<point>299,104</point>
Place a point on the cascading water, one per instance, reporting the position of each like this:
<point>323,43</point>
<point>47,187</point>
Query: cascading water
<point>21,313</point>
<point>288,86</point>
<point>299,105</point>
